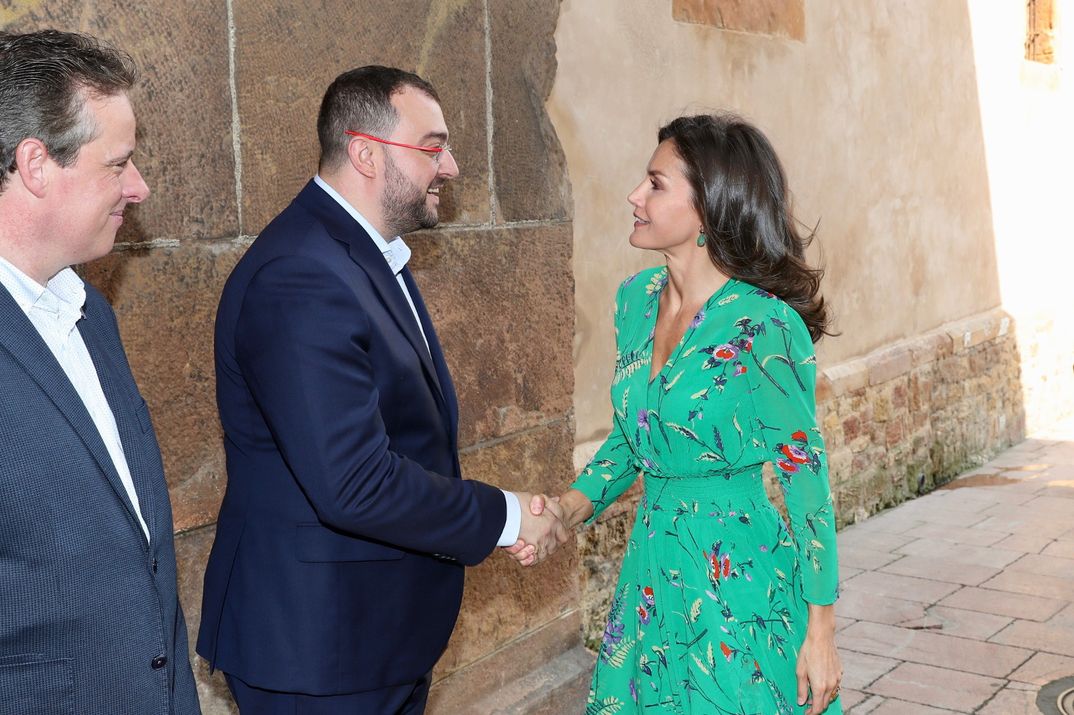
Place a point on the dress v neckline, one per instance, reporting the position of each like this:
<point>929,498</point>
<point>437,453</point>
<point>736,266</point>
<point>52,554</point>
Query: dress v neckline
<point>676,351</point>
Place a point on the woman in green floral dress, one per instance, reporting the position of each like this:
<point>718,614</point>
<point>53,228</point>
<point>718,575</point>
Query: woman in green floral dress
<point>720,606</point>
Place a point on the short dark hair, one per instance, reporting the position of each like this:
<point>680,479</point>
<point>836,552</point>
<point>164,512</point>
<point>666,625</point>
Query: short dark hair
<point>740,192</point>
<point>45,78</point>
<point>361,100</point>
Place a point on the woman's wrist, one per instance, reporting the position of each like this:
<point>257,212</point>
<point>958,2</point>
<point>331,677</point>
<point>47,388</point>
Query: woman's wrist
<point>576,507</point>
<point>821,621</point>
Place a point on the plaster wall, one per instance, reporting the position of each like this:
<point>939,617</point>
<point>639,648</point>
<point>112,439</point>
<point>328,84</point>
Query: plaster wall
<point>875,115</point>
<point>1027,111</point>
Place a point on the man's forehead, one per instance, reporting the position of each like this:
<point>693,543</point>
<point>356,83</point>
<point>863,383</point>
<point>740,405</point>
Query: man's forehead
<point>418,111</point>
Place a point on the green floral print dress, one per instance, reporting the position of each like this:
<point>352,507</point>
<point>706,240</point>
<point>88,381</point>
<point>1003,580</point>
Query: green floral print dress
<point>710,608</point>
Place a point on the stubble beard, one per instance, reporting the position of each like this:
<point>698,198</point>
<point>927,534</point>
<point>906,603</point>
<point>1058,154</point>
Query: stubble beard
<point>404,204</point>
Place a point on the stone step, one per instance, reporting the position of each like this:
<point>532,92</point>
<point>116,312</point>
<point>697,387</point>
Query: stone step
<point>558,687</point>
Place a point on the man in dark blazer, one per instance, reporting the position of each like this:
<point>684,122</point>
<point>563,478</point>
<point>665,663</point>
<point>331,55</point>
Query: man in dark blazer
<point>90,621</point>
<point>337,571</point>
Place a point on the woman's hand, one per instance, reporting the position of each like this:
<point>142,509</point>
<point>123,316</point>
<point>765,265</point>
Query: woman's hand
<point>576,507</point>
<point>819,670</point>
<point>572,508</point>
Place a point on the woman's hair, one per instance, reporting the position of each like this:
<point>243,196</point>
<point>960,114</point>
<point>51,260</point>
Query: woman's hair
<point>740,192</point>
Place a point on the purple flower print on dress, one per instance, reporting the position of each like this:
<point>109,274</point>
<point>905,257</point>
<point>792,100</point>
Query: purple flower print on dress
<point>643,419</point>
<point>795,454</point>
<point>613,633</point>
<point>648,463</point>
<point>698,319</point>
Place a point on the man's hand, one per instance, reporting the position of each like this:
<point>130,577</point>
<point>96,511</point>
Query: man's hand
<point>542,529</point>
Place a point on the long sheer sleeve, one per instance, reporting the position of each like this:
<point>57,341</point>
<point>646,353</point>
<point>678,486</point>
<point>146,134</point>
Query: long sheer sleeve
<point>784,378</point>
<point>613,468</point>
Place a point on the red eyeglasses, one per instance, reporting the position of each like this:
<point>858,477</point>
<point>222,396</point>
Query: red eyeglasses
<point>435,151</point>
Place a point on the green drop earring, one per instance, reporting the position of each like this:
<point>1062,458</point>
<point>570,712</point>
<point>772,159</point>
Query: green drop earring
<point>701,239</point>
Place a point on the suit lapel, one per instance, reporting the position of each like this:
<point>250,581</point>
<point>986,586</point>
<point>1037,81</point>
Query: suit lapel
<point>119,401</point>
<point>22,341</point>
<point>387,286</point>
<point>365,253</point>
<point>446,387</point>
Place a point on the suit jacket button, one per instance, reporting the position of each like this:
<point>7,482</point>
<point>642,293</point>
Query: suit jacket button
<point>159,662</point>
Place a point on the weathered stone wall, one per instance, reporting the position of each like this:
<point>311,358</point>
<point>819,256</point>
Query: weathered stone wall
<point>226,107</point>
<point>897,423</point>
<point>912,415</point>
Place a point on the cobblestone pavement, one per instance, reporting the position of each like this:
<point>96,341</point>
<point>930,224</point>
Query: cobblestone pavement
<point>963,600</point>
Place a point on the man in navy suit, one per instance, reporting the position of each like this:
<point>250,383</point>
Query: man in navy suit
<point>337,571</point>
<point>90,621</point>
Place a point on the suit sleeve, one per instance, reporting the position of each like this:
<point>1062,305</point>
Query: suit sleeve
<point>301,343</point>
<point>185,690</point>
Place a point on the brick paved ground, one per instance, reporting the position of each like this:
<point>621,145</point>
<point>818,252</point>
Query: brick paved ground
<point>963,600</point>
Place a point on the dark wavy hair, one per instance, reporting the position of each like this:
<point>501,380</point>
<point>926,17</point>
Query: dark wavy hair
<point>740,191</point>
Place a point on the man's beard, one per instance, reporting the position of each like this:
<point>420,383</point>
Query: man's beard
<point>404,204</point>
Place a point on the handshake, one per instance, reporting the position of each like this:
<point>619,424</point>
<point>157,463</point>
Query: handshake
<point>547,524</point>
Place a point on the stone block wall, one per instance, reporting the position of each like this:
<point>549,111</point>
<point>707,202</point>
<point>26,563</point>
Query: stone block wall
<point>784,18</point>
<point>226,106</point>
<point>905,419</point>
<point>897,423</point>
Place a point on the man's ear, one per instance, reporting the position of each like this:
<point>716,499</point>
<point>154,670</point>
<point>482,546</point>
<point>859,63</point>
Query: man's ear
<point>362,157</point>
<point>32,162</point>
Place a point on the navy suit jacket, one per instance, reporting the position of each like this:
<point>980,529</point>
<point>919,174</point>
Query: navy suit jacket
<point>339,552</point>
<point>90,621</point>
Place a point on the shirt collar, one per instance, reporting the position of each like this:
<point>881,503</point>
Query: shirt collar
<point>395,251</point>
<point>63,296</point>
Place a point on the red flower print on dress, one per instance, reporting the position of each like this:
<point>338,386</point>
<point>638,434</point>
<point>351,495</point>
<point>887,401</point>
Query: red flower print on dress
<point>795,454</point>
<point>726,352</point>
<point>649,596</point>
<point>643,615</point>
<point>788,467</point>
<point>800,436</point>
<point>726,650</point>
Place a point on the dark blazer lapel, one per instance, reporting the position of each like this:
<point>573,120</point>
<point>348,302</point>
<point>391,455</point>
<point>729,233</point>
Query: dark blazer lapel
<point>447,388</point>
<point>365,253</point>
<point>123,410</point>
<point>21,340</point>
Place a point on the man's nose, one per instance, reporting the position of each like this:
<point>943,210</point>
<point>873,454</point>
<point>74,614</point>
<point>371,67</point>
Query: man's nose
<point>449,168</point>
<point>136,190</point>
